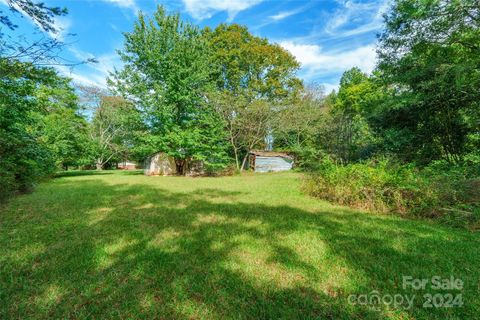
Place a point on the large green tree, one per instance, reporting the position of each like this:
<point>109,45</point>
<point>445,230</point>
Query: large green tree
<point>250,65</point>
<point>40,127</point>
<point>64,132</point>
<point>25,156</point>
<point>300,127</point>
<point>254,80</point>
<point>430,58</point>
<point>357,95</point>
<point>115,127</point>
<point>166,73</point>
<point>59,124</point>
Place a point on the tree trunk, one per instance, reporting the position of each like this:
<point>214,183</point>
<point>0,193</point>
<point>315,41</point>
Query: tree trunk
<point>244,161</point>
<point>237,163</point>
<point>235,151</point>
<point>99,166</point>
<point>181,166</point>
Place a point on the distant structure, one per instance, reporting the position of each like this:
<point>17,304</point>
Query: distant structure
<point>127,165</point>
<point>268,161</point>
<point>161,164</point>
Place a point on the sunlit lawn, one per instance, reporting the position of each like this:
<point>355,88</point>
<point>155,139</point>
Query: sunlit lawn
<point>122,245</point>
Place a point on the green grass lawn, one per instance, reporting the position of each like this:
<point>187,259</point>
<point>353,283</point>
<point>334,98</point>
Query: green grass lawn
<point>123,245</point>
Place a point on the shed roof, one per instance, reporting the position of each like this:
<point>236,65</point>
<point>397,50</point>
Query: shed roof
<point>153,154</point>
<point>270,154</point>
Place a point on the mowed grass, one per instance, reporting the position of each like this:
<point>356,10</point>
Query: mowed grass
<point>123,245</point>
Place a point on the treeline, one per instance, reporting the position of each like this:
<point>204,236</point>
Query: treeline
<point>195,94</point>
<point>407,138</point>
<point>45,126</point>
<point>35,105</point>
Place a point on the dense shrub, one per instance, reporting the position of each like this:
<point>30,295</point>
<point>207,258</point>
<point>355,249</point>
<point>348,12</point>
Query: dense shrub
<point>28,94</point>
<point>442,191</point>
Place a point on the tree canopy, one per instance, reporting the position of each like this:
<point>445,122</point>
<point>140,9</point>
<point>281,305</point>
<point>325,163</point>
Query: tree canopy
<point>429,56</point>
<point>254,79</point>
<point>166,72</point>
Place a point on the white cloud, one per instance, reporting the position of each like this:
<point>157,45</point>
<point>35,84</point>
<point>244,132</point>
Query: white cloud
<point>317,62</point>
<point>106,64</point>
<point>113,26</point>
<point>127,4</point>
<point>285,14</point>
<point>93,74</point>
<point>76,77</point>
<point>204,9</point>
<point>356,18</point>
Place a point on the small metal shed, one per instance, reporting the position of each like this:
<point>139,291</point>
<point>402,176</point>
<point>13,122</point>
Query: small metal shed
<point>268,161</point>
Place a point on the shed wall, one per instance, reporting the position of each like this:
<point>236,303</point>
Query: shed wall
<point>160,164</point>
<point>267,164</point>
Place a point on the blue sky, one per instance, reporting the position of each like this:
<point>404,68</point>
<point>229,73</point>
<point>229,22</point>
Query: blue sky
<point>326,36</point>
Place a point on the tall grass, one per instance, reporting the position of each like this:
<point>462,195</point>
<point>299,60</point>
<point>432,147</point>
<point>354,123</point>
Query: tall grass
<point>441,191</point>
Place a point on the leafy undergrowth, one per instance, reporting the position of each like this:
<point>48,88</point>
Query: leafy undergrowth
<point>122,245</point>
<point>446,193</point>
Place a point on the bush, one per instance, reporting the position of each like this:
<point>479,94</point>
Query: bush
<point>24,158</point>
<point>441,191</point>
<point>22,169</point>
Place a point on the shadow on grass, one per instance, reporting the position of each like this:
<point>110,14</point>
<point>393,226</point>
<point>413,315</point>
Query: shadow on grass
<point>142,252</point>
<point>79,173</point>
<point>136,172</point>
